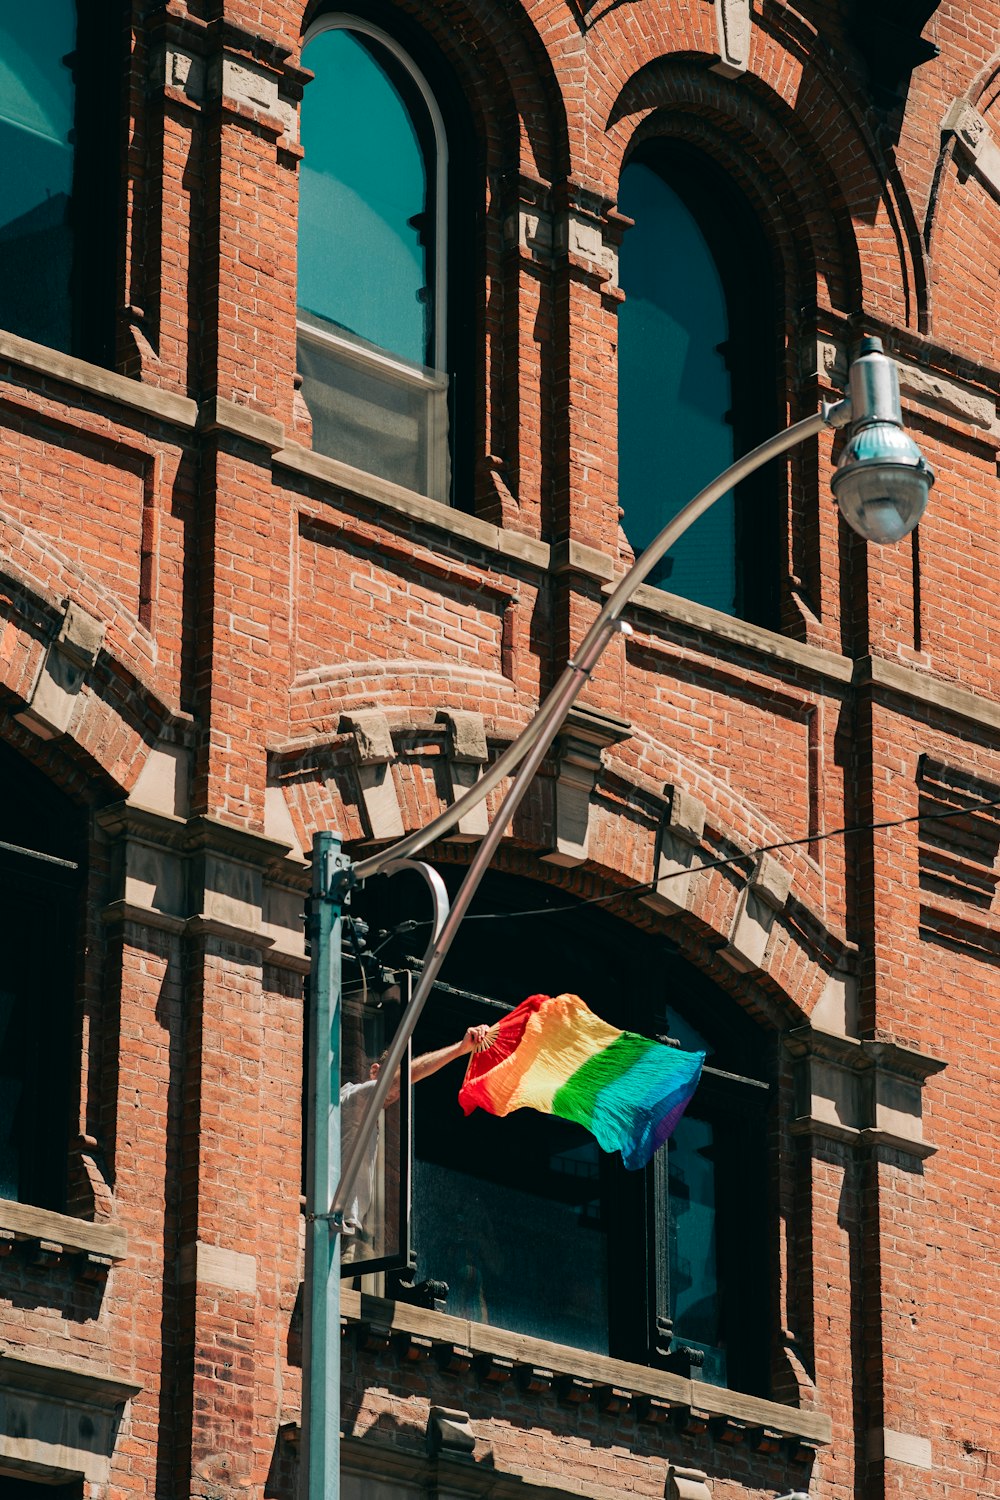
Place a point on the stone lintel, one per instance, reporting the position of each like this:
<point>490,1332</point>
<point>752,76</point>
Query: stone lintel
<point>59,1419</point>
<point>762,898</point>
<point>586,733</point>
<point>678,837</point>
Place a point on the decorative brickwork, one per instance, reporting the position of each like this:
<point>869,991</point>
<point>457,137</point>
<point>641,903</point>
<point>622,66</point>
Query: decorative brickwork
<point>217,642</point>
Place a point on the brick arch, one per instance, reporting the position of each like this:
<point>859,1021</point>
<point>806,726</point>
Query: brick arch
<point>810,234</point>
<point>117,713</point>
<point>503,69</point>
<point>626,808</point>
<point>848,203</point>
<point>961,225</point>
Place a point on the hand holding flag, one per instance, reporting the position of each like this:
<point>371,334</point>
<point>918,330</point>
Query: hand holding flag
<point>556,1056</point>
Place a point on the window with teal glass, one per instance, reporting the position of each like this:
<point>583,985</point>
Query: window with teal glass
<point>371,259</point>
<point>37,109</point>
<point>58,122</point>
<point>696,379</point>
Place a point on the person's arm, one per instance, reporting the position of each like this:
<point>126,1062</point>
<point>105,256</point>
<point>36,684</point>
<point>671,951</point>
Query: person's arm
<point>433,1062</point>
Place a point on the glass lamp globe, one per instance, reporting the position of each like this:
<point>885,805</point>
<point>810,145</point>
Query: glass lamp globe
<point>882,482</point>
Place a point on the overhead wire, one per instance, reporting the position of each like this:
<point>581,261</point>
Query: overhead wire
<point>717,864</point>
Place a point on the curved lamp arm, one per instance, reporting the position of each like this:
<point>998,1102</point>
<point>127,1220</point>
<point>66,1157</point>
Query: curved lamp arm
<point>552,713</point>
<point>881,485</point>
<point>528,751</point>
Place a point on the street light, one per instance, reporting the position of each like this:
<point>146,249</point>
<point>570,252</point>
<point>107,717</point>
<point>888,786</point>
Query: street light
<point>882,482</point>
<point>881,485</point>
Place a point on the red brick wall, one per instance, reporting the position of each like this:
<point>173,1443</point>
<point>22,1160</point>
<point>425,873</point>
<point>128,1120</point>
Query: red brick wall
<point>252,597</point>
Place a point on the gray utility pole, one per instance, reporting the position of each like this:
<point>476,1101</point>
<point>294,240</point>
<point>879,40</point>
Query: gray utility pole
<point>881,485</point>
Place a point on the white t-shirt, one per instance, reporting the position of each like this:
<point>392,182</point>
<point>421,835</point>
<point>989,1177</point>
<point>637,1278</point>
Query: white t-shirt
<point>354,1101</point>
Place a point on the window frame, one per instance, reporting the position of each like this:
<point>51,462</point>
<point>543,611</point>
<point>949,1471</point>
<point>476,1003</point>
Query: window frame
<point>639,1318</point>
<point>349,21</point>
<point>436,378</point>
<point>743,259</point>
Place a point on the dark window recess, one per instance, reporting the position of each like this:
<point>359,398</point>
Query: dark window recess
<point>531,1226</point>
<point>698,379</point>
<point>59,100</point>
<point>39,1489</point>
<point>41,858</point>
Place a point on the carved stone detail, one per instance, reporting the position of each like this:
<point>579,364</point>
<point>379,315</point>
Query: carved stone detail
<point>732,25</point>
<point>374,753</point>
<point>580,744</point>
<point>467,754</point>
<point>68,660</point>
<point>865,1093</point>
<point>974,142</point>
<point>687,1484</point>
<point>763,897</point>
<point>677,840</point>
<point>449,1431</point>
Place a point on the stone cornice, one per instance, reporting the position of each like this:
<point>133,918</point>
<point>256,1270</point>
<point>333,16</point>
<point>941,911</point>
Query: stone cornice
<point>23,1221</point>
<point>57,1375</point>
<point>397,1322</point>
<point>394,499</point>
<point>96,382</point>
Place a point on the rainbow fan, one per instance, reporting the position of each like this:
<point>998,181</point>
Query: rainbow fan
<point>554,1055</point>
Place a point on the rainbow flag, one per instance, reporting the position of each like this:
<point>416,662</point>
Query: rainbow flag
<point>555,1055</point>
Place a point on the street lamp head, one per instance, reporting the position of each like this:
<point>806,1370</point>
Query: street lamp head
<point>882,481</point>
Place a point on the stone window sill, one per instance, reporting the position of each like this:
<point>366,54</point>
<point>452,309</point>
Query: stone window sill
<point>50,1237</point>
<point>576,1376</point>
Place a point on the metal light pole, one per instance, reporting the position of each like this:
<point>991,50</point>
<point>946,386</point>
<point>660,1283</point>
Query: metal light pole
<point>881,485</point>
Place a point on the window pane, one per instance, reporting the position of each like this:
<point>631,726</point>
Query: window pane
<point>508,1213</point>
<point>36,121</point>
<point>364,255</point>
<point>694,1281</point>
<point>674,389</point>
<point>378,415</point>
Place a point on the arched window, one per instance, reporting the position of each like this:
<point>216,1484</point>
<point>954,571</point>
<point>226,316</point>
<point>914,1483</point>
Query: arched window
<point>58,117</point>
<point>41,863</point>
<point>376,352</point>
<point>697,381</point>
<point>529,1224</point>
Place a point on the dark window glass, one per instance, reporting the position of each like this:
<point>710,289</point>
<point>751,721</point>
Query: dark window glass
<point>365,214</point>
<point>37,109</point>
<point>675,392</point>
<point>509,1213</point>
<point>697,381</point>
<point>39,906</point>
<point>60,75</point>
<point>12,1488</point>
<point>531,1226</point>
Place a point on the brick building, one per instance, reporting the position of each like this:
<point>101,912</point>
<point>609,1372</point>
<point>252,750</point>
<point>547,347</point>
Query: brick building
<point>295,539</point>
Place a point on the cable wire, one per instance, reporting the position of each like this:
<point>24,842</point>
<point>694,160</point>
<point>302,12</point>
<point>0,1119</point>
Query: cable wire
<point>733,859</point>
